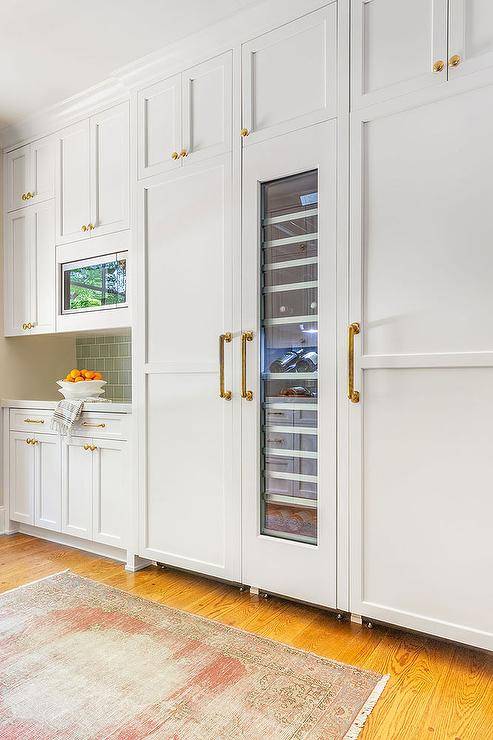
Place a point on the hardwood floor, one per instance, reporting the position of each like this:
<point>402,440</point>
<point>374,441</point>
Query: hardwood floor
<point>437,690</point>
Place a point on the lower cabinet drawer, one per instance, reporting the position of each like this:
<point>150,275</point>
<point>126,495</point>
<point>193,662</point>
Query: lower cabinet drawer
<point>29,420</point>
<point>107,426</point>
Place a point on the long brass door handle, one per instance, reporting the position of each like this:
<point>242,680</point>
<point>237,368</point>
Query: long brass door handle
<point>227,337</point>
<point>247,336</point>
<point>353,395</point>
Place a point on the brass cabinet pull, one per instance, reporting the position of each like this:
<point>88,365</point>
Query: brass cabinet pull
<point>31,441</point>
<point>247,336</point>
<point>244,132</point>
<point>183,153</point>
<point>88,424</point>
<point>28,441</point>
<point>90,227</point>
<point>23,196</point>
<point>87,447</point>
<point>83,227</point>
<point>439,65</point>
<point>34,421</point>
<point>353,395</point>
<point>454,60</point>
<point>227,337</point>
<point>175,155</point>
<point>93,447</point>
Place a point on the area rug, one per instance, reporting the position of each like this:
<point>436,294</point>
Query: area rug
<point>81,660</point>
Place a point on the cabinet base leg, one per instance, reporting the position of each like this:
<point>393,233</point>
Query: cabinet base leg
<point>356,618</point>
<point>254,591</point>
<point>135,562</point>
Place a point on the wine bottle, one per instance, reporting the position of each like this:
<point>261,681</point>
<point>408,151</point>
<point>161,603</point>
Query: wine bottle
<point>285,362</point>
<point>307,363</point>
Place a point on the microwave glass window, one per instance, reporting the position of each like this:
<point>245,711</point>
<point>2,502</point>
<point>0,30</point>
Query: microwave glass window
<point>91,285</point>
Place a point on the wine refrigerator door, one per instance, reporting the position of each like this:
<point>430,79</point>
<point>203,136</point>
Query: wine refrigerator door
<point>289,416</point>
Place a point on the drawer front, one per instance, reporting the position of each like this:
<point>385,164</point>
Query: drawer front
<point>31,420</point>
<point>106,426</point>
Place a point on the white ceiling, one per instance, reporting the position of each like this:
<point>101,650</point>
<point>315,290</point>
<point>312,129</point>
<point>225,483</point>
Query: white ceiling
<point>52,49</point>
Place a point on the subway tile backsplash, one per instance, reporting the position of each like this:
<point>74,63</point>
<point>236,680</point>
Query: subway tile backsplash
<point>112,356</point>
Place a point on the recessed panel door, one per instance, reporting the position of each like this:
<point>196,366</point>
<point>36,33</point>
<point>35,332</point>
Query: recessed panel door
<point>17,166</point>
<point>77,487</point>
<point>73,184</point>
<point>397,47</point>
<point>289,391</point>
<point>470,36</point>
<point>48,490</point>
<point>21,477</point>
<point>159,127</point>
<point>420,467</point>
<point>43,268</point>
<point>42,177</point>
<point>18,272</point>
<point>111,492</point>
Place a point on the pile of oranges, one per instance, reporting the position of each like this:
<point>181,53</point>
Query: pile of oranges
<point>75,376</point>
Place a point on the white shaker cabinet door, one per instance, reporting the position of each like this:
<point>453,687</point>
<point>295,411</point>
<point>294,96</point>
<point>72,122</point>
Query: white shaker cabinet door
<point>73,184</point>
<point>289,76</point>
<point>77,487</point>
<point>21,476</point>
<point>17,272</point>
<point>397,46</point>
<point>207,107</point>
<point>470,36</point>
<point>42,268</point>
<point>42,169</point>
<point>110,492</point>
<point>17,177</point>
<point>110,177</point>
<point>159,127</point>
<point>47,488</point>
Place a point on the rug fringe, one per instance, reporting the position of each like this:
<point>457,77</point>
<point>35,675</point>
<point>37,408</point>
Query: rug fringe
<point>366,709</point>
<point>38,580</point>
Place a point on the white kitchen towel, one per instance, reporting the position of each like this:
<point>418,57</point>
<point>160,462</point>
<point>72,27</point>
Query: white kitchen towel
<point>66,414</point>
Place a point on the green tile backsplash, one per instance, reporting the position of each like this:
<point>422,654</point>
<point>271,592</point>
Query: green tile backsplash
<point>112,356</point>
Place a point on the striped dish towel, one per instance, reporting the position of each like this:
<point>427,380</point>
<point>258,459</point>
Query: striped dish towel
<point>66,414</point>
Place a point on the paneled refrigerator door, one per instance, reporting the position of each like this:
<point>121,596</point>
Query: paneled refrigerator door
<point>289,388</point>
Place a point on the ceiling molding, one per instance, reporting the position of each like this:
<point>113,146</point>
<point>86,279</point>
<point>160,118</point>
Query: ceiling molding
<point>176,57</point>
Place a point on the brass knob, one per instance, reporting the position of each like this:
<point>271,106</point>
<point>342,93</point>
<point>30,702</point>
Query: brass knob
<point>34,442</point>
<point>29,195</point>
<point>90,227</point>
<point>439,65</point>
<point>454,61</point>
<point>183,153</point>
<point>83,228</point>
<point>28,441</point>
<point>175,155</point>
<point>24,326</point>
<point>93,447</point>
<point>87,447</point>
<point>244,132</point>
<point>23,196</point>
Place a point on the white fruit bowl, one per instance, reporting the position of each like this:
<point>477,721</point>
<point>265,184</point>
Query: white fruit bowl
<point>83,389</point>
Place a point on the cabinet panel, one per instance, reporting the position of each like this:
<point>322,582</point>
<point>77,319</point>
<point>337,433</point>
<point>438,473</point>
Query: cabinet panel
<point>17,177</point>
<point>21,472</point>
<point>43,268</point>
<point>289,76</point>
<point>48,491</point>
<point>395,46</point>
<point>159,126</point>
<point>426,244</point>
<point>110,493</point>
<point>17,272</point>
<point>73,186</point>
<point>42,177</point>
<point>470,35</point>
<point>110,177</point>
<point>207,105</point>
<point>77,486</point>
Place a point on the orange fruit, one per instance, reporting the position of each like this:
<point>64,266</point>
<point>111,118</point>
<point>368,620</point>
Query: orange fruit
<point>88,374</point>
<point>78,379</point>
<point>97,376</point>
<point>69,379</point>
<point>83,372</point>
<point>74,373</point>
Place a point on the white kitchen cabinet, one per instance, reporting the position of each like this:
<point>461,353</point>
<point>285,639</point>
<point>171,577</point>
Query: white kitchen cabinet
<point>110,492</point>
<point>21,477</point>
<point>77,486</point>
<point>289,76</point>
<point>30,174</point>
<point>185,118</point>
<point>30,270</point>
<point>470,36</point>
<point>93,176</point>
<point>47,488</point>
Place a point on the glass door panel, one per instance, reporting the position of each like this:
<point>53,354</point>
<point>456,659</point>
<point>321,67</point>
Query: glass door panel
<point>289,357</point>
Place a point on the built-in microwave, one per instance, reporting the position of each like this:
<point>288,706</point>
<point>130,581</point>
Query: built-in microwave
<point>94,284</point>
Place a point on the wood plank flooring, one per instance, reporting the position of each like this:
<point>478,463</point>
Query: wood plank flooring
<point>437,690</point>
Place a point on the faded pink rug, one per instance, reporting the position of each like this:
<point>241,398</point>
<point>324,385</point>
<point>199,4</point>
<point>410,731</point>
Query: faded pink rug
<point>82,660</point>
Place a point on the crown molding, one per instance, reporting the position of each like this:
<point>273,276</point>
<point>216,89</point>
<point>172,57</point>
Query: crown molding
<point>174,58</point>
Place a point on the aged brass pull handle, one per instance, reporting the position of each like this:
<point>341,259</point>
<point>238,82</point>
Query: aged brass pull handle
<point>439,65</point>
<point>23,196</point>
<point>227,337</point>
<point>24,326</point>
<point>247,336</point>
<point>87,447</point>
<point>92,448</point>
<point>83,227</point>
<point>351,393</point>
<point>88,424</point>
<point>34,442</point>
<point>454,60</point>
<point>29,195</point>
<point>183,153</point>
<point>175,155</point>
<point>244,132</point>
<point>34,421</point>
<point>28,441</point>
<point>90,227</point>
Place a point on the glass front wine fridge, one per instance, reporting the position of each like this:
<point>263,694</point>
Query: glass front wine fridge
<point>289,357</point>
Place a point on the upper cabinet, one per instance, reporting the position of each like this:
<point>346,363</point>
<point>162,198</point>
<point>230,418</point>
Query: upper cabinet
<point>30,174</point>
<point>470,36</point>
<point>92,171</point>
<point>185,118</point>
<point>289,76</point>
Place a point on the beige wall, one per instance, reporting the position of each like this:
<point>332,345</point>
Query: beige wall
<point>30,366</point>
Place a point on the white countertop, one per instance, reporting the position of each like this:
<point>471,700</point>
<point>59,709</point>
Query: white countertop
<point>109,407</point>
